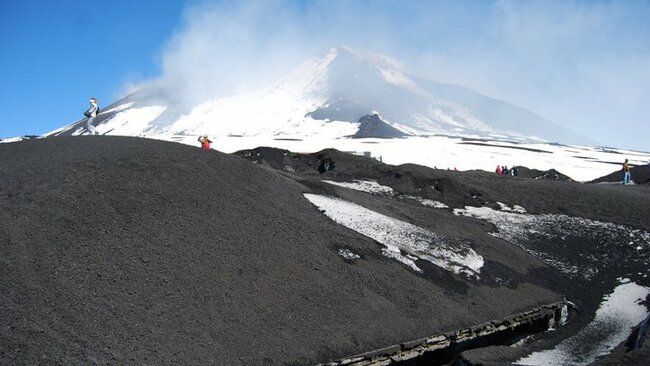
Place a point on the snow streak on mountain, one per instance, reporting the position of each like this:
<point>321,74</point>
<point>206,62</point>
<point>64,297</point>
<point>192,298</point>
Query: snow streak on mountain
<point>329,96</point>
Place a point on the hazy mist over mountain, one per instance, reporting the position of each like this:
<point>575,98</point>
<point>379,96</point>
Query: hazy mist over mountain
<point>562,62</point>
<point>341,85</point>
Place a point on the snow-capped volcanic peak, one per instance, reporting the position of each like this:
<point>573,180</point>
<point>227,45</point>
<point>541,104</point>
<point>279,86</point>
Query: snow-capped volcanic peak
<point>309,77</point>
<point>327,96</point>
<point>360,101</point>
<point>387,68</point>
<point>297,105</point>
<point>275,110</point>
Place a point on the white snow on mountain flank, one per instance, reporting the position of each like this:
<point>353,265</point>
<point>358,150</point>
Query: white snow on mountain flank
<point>131,121</point>
<point>276,110</point>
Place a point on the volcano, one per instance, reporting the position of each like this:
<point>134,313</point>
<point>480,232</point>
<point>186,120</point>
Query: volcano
<point>327,96</point>
<point>352,100</point>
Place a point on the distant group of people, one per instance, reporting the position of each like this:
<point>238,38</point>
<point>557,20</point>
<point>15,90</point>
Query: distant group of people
<point>93,111</point>
<point>503,170</point>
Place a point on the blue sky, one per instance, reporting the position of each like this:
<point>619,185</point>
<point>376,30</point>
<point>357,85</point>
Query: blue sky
<point>583,64</point>
<point>54,55</point>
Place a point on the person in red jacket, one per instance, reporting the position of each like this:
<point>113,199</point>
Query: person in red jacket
<point>205,142</point>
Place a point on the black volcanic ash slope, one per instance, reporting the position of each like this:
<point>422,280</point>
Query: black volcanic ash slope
<point>600,254</point>
<point>125,250</point>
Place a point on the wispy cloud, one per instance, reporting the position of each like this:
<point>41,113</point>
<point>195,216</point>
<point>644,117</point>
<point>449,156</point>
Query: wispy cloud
<point>222,48</point>
<point>583,64</point>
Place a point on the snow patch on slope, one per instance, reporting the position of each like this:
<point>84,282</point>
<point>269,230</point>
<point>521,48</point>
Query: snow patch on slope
<point>515,208</point>
<point>368,186</point>
<point>131,122</point>
<point>11,139</point>
<point>538,234</point>
<point>618,313</point>
<point>277,110</point>
<point>372,187</point>
<point>348,254</point>
<point>404,242</point>
<point>428,202</point>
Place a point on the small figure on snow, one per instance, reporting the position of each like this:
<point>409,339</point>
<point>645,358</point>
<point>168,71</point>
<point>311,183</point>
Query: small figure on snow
<point>205,142</point>
<point>91,113</point>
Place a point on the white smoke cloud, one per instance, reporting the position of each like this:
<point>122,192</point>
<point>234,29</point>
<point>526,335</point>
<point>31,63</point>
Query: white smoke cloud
<point>223,47</point>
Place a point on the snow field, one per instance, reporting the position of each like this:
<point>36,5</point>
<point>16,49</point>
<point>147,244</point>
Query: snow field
<point>439,152</point>
<point>234,127</point>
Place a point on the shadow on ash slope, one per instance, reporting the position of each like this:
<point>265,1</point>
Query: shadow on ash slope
<point>576,246</point>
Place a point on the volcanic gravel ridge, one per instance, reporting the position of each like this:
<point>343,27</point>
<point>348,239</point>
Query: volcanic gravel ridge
<point>122,250</point>
<point>640,175</point>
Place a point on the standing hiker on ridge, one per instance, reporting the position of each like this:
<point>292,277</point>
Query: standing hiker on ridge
<point>91,113</point>
<point>626,173</point>
<point>205,142</point>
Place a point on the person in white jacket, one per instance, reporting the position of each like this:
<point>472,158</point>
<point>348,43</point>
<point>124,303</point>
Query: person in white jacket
<point>91,113</point>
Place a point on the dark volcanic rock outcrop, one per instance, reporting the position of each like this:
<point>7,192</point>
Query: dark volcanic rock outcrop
<point>640,175</point>
<point>338,109</point>
<point>370,125</point>
<point>550,174</point>
<point>373,126</point>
